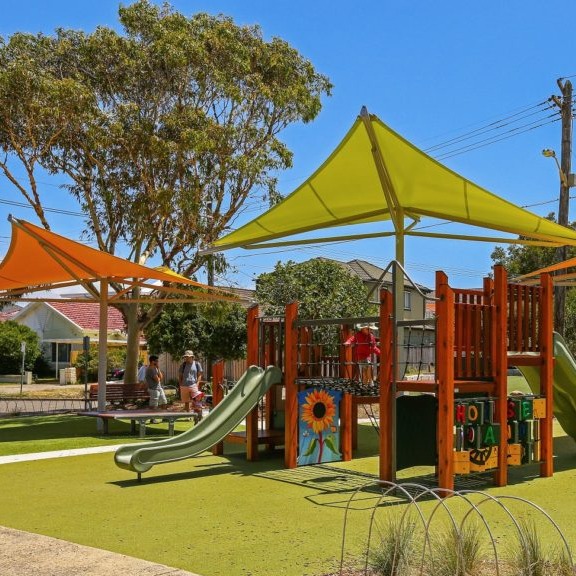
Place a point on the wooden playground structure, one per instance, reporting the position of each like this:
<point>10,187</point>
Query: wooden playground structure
<point>476,426</point>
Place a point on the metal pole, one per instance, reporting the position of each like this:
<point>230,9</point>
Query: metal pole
<point>102,351</point>
<point>23,348</point>
<point>86,347</point>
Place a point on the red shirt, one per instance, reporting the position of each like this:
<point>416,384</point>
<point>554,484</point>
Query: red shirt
<point>364,345</point>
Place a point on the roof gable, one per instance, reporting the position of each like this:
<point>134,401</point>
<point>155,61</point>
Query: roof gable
<point>86,315</point>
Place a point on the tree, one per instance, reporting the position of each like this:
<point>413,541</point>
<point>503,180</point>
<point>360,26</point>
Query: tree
<point>323,289</point>
<point>165,133</point>
<point>212,330</point>
<point>12,335</point>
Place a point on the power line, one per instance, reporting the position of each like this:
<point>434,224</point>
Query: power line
<point>493,140</point>
<point>496,125</point>
<point>55,210</point>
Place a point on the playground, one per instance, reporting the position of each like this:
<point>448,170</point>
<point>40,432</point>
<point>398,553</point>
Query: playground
<point>249,507</point>
<point>240,517</point>
<point>263,483</point>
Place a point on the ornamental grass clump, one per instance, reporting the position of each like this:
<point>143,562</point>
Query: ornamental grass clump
<point>529,557</point>
<point>458,551</point>
<point>395,552</point>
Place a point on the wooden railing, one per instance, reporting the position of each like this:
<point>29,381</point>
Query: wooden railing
<point>524,306</point>
<point>473,317</point>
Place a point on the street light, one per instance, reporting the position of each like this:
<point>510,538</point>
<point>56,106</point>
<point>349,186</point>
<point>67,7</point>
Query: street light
<point>567,180</point>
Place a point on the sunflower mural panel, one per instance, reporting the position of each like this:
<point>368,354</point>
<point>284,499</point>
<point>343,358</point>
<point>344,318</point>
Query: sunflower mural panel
<point>319,426</point>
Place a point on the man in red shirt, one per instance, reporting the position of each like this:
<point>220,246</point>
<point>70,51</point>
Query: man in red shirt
<point>364,346</point>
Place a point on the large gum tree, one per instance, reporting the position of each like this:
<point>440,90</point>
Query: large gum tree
<point>162,133</point>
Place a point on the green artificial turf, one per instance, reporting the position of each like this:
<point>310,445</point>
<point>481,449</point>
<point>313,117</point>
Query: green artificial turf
<point>25,435</point>
<point>221,515</point>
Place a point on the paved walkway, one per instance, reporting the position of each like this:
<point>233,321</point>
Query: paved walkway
<point>57,454</point>
<point>26,554</point>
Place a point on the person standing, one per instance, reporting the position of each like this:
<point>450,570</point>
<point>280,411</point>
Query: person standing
<point>153,378</point>
<point>364,346</point>
<point>190,381</point>
<point>142,372</point>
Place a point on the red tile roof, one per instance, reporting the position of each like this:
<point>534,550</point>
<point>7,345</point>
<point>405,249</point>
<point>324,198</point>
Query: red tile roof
<point>87,315</point>
<point>8,312</point>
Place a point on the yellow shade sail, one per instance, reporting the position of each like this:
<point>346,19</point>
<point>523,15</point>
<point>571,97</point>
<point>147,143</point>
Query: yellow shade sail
<point>375,175</point>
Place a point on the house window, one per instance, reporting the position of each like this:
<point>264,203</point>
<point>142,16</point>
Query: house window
<point>407,300</point>
<point>63,351</point>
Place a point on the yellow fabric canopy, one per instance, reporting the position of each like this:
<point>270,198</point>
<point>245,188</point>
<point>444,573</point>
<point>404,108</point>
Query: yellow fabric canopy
<point>38,259</point>
<point>376,175</point>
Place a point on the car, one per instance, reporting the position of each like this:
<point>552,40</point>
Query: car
<point>117,374</point>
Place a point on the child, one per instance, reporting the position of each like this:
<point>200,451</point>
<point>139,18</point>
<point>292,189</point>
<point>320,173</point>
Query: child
<point>197,405</point>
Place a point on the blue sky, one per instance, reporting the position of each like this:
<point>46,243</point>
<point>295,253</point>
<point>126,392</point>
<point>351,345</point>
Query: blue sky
<point>432,71</point>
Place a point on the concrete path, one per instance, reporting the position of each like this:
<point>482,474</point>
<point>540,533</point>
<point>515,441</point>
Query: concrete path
<point>57,454</point>
<point>27,554</point>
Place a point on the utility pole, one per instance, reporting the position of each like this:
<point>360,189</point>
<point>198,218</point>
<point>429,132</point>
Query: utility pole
<point>564,103</point>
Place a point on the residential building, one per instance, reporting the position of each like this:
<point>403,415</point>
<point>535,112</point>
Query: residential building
<point>62,325</point>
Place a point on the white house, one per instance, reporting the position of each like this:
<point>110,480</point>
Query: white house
<point>62,326</point>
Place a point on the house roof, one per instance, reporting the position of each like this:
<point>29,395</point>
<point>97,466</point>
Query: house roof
<point>370,273</point>
<point>87,315</point>
<point>8,312</point>
<point>247,295</point>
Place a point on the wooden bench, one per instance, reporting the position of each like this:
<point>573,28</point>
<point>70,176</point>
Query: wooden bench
<point>120,395</point>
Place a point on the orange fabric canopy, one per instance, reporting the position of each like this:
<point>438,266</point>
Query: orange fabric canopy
<point>39,259</point>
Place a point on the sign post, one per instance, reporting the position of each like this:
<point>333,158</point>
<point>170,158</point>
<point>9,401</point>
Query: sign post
<point>23,349</point>
<point>86,348</point>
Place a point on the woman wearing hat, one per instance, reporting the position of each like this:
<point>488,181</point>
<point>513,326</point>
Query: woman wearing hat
<point>363,347</point>
<point>189,379</point>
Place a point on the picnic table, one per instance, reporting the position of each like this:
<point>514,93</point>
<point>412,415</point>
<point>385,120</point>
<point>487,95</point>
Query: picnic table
<point>140,417</point>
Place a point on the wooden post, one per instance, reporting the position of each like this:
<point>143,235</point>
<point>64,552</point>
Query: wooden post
<point>346,426</point>
<point>346,369</point>
<point>500,369</point>
<point>387,424</point>
<point>217,397</point>
<point>354,423</point>
<point>252,335</point>
<point>290,376</point>
<point>253,347</point>
<point>445,376</point>
<point>547,375</point>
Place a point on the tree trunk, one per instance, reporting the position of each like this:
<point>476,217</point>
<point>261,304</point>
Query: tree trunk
<point>133,344</point>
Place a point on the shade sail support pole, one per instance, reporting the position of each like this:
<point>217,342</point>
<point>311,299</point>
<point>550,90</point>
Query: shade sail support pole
<point>102,351</point>
<point>383,175</point>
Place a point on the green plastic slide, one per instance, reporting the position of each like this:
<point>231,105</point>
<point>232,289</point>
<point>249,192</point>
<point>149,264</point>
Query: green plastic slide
<point>564,387</point>
<point>222,420</point>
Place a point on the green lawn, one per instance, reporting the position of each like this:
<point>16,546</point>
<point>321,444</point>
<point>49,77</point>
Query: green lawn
<point>217,516</point>
<point>222,515</point>
<point>26,435</point>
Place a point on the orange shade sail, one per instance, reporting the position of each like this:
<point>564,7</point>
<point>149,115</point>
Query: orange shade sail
<point>38,259</point>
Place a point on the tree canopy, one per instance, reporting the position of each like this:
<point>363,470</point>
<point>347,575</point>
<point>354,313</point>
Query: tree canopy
<point>323,289</point>
<point>12,335</point>
<point>212,331</point>
<point>164,132</point>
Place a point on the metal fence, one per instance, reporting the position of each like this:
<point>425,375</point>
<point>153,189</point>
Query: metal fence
<point>17,406</point>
